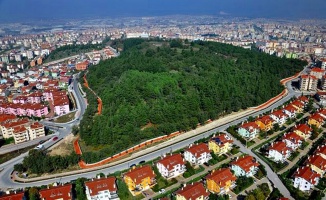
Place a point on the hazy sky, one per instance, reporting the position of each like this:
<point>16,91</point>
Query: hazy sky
<point>19,10</point>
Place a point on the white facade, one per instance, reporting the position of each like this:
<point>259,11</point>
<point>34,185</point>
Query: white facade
<point>302,184</point>
<point>174,172</point>
<point>278,156</point>
<point>197,159</point>
<point>238,171</point>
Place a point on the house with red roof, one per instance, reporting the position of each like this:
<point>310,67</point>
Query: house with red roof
<point>279,117</point>
<point>305,178</point>
<point>292,140</point>
<point>102,188</point>
<point>220,181</point>
<point>14,196</point>
<point>194,191</point>
<point>290,111</point>
<point>279,152</point>
<point>265,123</point>
<point>82,65</point>
<point>316,119</point>
<point>139,179</point>
<point>317,163</point>
<point>321,150</point>
<point>322,112</point>
<point>303,130</point>
<point>57,193</point>
<point>220,144</point>
<point>249,130</point>
<point>197,154</point>
<point>298,105</point>
<point>245,166</point>
<point>303,99</point>
<point>171,166</point>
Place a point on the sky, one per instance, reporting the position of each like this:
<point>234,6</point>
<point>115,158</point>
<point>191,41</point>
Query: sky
<point>24,10</point>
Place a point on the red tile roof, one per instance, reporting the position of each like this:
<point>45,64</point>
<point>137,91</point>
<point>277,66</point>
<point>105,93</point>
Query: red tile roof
<point>307,174</point>
<point>250,126</point>
<point>19,129</point>
<point>193,191</point>
<point>278,114</point>
<point>170,161</point>
<point>290,108</point>
<point>98,185</point>
<point>221,176</point>
<point>4,117</point>
<point>298,103</point>
<point>245,162</point>
<point>318,161</point>
<point>36,125</point>
<point>322,111</point>
<point>18,196</point>
<point>280,147</point>
<point>198,150</point>
<point>304,128</point>
<point>58,192</point>
<point>138,174</point>
<point>222,139</point>
<point>265,119</point>
<point>321,150</point>
<point>303,99</point>
<point>293,137</point>
<point>317,70</point>
<point>317,117</point>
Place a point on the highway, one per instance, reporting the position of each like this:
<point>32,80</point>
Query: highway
<point>6,182</point>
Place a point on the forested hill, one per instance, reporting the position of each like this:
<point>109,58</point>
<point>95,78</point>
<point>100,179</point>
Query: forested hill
<point>158,87</point>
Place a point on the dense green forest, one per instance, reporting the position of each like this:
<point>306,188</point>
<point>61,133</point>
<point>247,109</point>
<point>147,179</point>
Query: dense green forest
<point>158,87</point>
<point>71,50</point>
<point>39,162</point>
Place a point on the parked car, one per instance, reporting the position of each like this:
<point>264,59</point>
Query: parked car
<point>162,191</point>
<point>55,138</point>
<point>142,162</point>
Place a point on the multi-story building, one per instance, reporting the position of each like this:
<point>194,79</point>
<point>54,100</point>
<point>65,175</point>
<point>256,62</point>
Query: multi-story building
<point>220,144</point>
<point>62,192</point>
<point>245,166</point>
<point>317,72</point>
<point>305,178</point>
<point>220,181</point>
<point>279,152</point>
<point>102,188</point>
<point>308,82</point>
<point>140,179</point>
<point>36,130</point>
<point>171,166</point>
<point>8,127</point>
<point>20,134</point>
<point>194,191</point>
<point>249,130</point>
<point>197,154</point>
<point>61,105</point>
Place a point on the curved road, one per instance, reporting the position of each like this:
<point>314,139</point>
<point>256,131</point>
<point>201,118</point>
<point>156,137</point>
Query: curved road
<point>6,182</point>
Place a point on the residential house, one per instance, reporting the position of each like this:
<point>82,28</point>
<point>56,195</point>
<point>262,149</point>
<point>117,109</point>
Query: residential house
<point>171,166</point>
<point>290,111</point>
<point>249,130</point>
<point>321,150</point>
<point>197,154</point>
<point>139,179</point>
<point>322,112</point>
<point>102,188</point>
<point>82,65</point>
<point>279,117</point>
<point>317,163</point>
<point>220,181</point>
<point>316,119</point>
<point>305,178</point>
<point>303,130</point>
<point>279,152</point>
<point>292,140</point>
<point>245,166</point>
<point>265,123</point>
<point>303,99</point>
<point>57,193</point>
<point>298,105</point>
<point>14,196</point>
<point>220,144</point>
<point>194,191</point>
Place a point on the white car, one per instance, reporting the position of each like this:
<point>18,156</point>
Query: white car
<point>162,191</point>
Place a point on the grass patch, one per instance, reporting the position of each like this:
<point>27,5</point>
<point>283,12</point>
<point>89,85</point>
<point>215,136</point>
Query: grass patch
<point>235,150</point>
<point>7,141</point>
<point>243,183</point>
<point>261,173</point>
<point>304,145</point>
<point>167,193</point>
<point>198,178</point>
<point>192,171</point>
<point>66,118</point>
<point>162,182</point>
<point>293,155</point>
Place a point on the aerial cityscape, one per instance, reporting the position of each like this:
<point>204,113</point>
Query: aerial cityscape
<point>162,100</point>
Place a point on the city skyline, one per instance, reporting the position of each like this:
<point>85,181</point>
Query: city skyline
<point>33,10</point>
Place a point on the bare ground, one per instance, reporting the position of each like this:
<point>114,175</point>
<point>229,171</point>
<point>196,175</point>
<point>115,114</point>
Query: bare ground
<point>65,147</point>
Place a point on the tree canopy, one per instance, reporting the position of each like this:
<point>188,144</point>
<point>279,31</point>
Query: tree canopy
<point>159,87</point>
